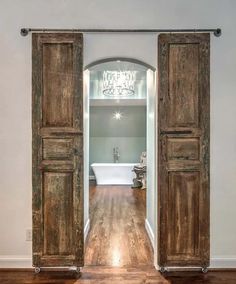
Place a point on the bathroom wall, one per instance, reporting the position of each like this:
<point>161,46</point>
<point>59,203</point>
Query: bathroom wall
<point>15,93</point>
<point>106,132</point>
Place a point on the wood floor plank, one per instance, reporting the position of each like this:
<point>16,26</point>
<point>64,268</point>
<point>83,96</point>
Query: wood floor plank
<point>117,236</point>
<point>113,275</point>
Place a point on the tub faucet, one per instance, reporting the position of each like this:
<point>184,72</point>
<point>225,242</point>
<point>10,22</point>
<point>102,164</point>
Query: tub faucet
<point>116,154</point>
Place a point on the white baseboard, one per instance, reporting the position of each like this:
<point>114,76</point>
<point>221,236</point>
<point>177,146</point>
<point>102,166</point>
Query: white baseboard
<point>149,232</point>
<point>223,262</point>
<point>15,261</point>
<point>86,229</point>
<point>215,263</point>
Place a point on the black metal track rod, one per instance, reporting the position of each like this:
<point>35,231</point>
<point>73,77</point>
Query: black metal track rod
<point>216,32</point>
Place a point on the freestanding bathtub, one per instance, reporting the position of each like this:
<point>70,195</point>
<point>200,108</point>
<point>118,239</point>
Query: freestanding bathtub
<point>113,173</point>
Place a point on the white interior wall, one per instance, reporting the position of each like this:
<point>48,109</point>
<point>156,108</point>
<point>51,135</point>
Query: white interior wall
<point>15,92</point>
<point>86,152</point>
<point>151,194</point>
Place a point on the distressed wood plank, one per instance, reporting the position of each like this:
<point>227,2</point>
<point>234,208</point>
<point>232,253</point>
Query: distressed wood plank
<point>66,132</point>
<point>183,175</point>
<point>58,216</point>
<point>183,148</point>
<point>57,149</point>
<point>57,110</point>
<point>58,83</point>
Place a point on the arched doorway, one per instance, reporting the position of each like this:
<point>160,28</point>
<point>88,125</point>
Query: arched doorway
<point>124,123</point>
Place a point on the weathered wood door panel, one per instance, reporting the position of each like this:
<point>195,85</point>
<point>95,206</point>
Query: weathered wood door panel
<point>184,112</point>
<point>57,105</point>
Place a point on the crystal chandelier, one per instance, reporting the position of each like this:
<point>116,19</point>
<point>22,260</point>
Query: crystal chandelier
<point>118,83</point>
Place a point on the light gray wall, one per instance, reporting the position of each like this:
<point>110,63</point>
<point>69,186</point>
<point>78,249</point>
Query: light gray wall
<point>151,197</point>
<point>15,92</point>
<point>106,132</point>
<point>131,124</point>
<point>86,84</point>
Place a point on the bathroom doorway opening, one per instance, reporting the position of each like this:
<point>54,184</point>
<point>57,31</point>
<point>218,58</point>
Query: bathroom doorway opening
<point>119,163</point>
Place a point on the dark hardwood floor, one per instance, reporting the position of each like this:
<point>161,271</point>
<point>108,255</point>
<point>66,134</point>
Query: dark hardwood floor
<point>117,236</point>
<point>118,249</point>
<point>115,275</point>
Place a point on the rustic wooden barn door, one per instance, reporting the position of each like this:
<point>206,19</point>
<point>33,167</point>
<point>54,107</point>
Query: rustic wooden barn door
<point>184,112</point>
<point>57,150</point>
